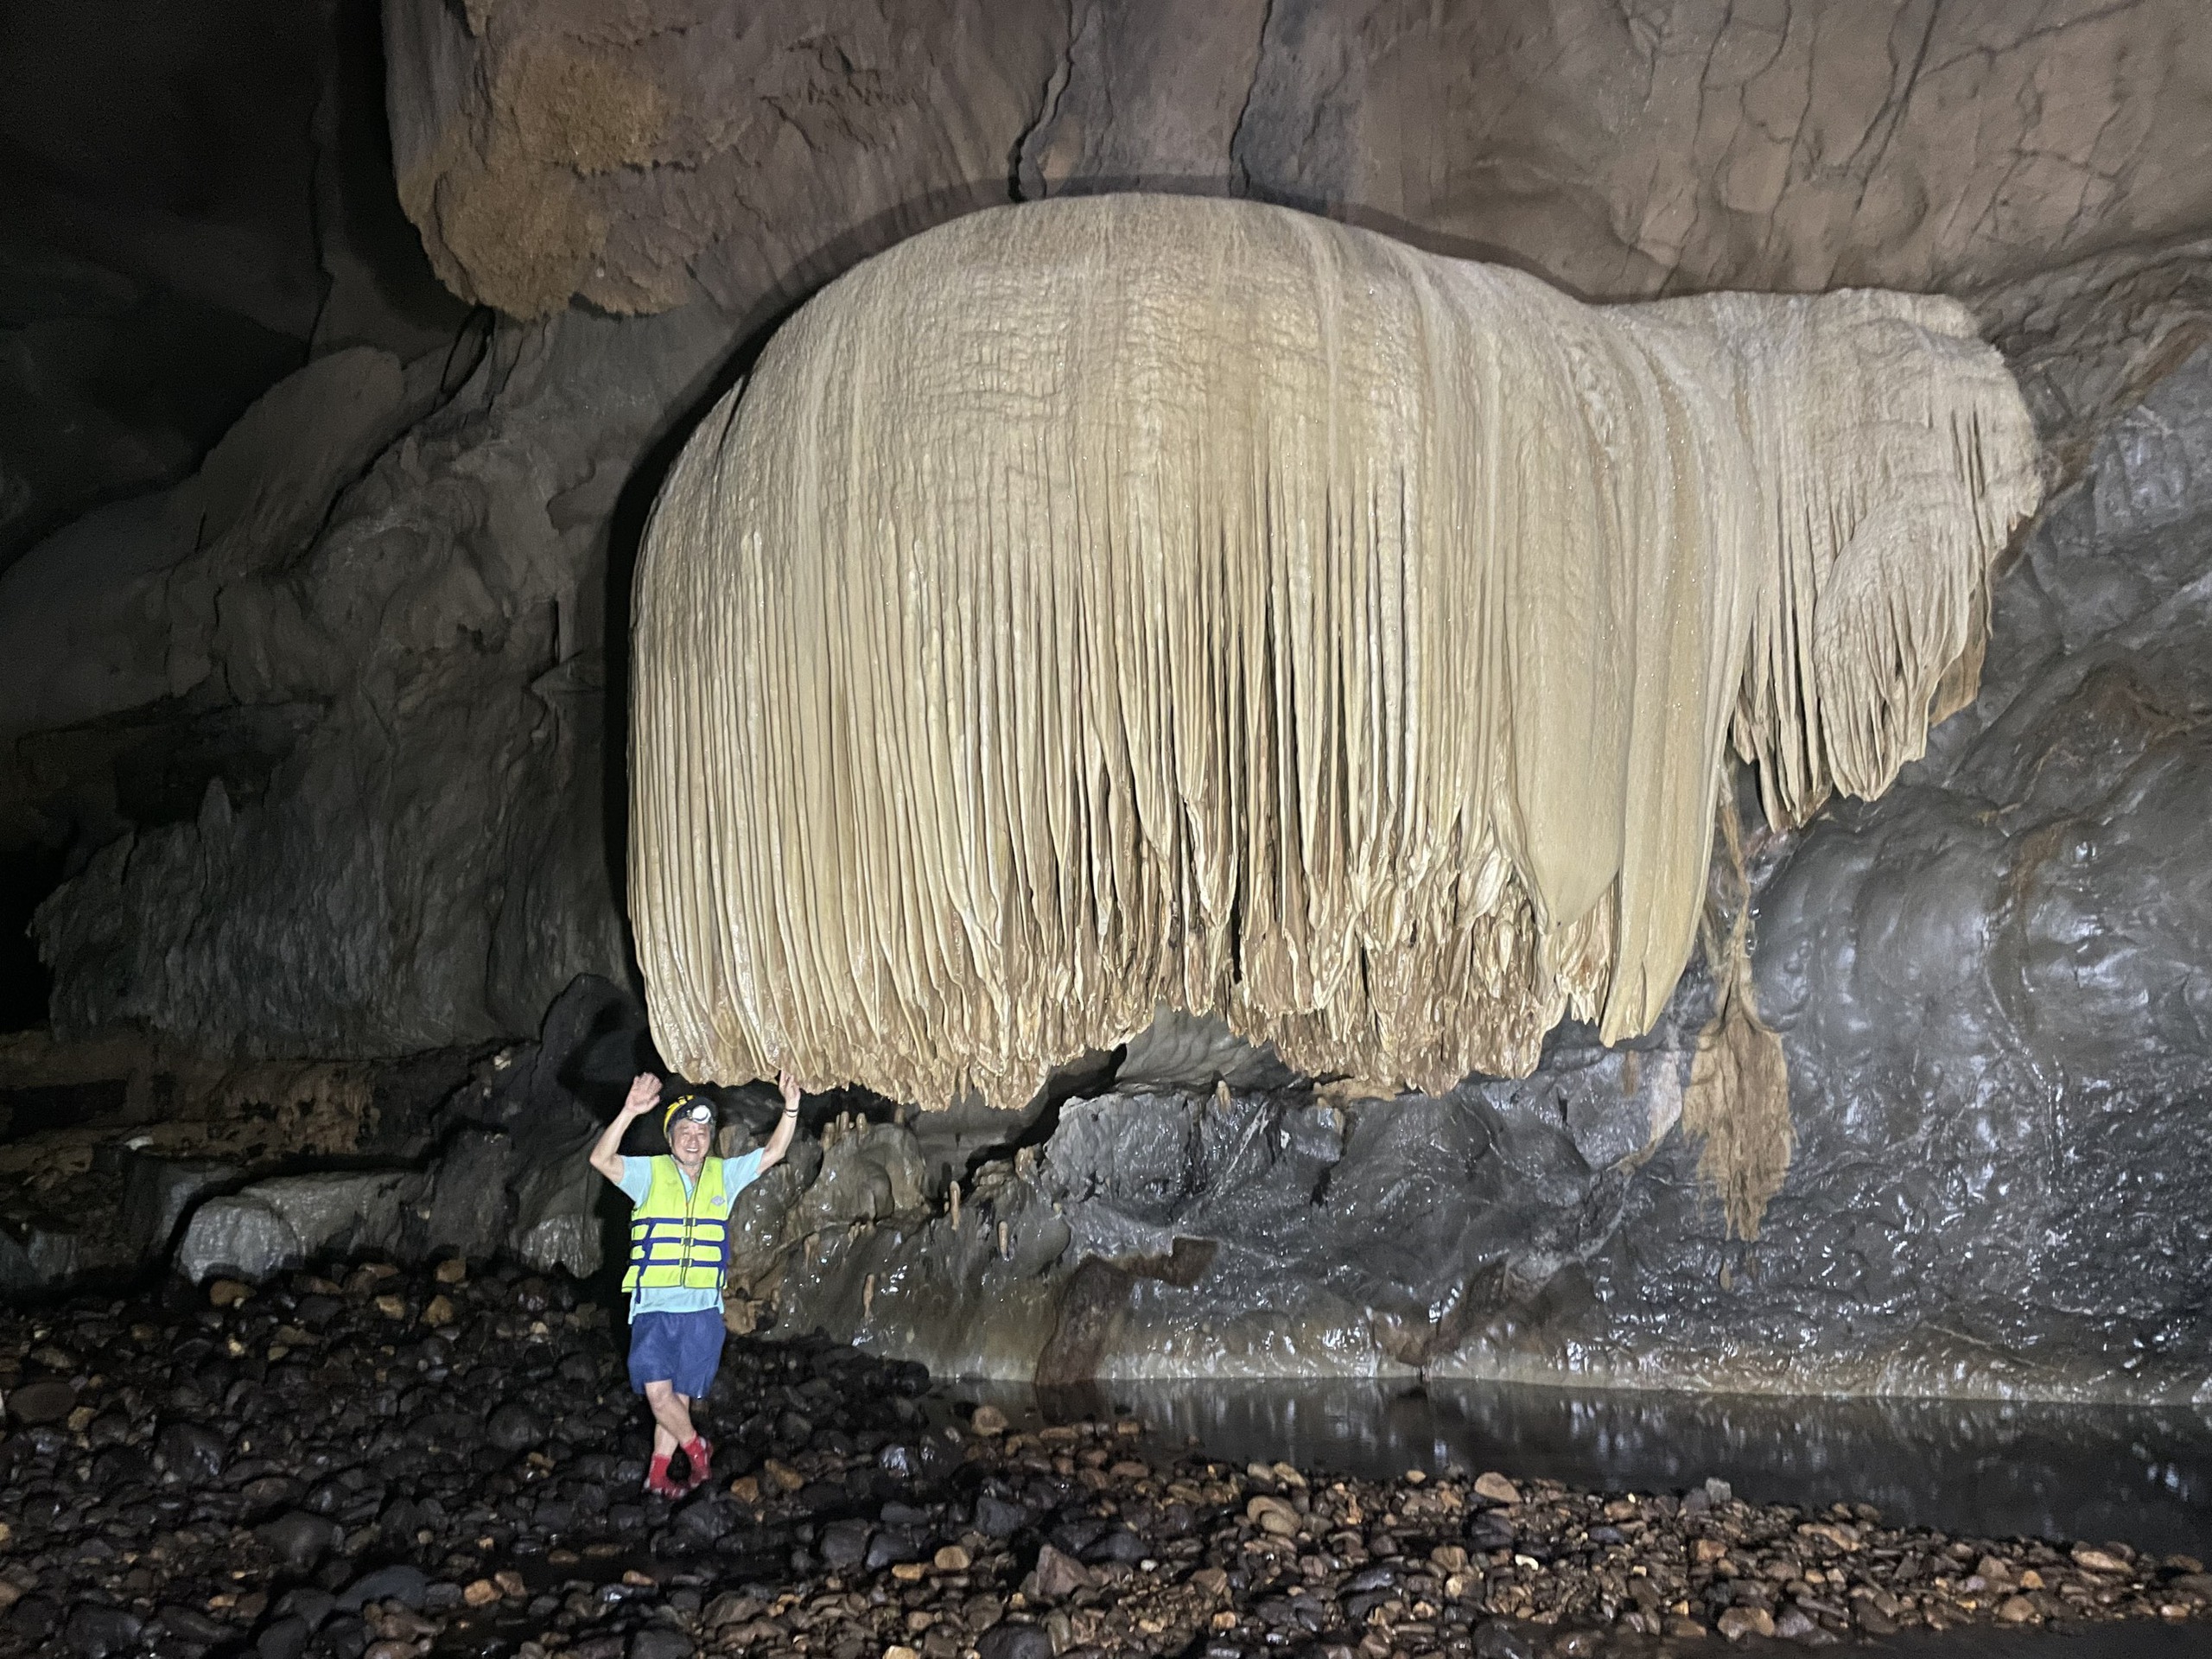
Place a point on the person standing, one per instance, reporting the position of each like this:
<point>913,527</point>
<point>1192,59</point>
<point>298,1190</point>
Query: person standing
<point>679,1252</point>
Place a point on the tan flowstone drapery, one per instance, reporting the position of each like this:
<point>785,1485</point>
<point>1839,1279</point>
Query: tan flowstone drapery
<point>1110,603</point>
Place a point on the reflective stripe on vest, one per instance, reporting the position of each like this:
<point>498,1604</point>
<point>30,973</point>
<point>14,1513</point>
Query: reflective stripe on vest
<point>679,1240</point>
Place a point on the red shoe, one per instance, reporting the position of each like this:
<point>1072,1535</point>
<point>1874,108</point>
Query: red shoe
<point>658,1483</point>
<point>701,1451</point>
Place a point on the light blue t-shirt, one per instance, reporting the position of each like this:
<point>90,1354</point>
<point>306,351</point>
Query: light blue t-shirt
<point>738,1173</point>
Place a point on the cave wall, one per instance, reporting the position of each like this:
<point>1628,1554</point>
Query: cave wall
<point>2024,157</point>
<point>369,676</point>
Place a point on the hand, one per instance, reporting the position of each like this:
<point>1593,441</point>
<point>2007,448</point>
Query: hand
<point>789,1084</point>
<point>644,1096</point>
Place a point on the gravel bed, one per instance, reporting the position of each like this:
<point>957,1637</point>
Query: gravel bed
<point>389,1462</point>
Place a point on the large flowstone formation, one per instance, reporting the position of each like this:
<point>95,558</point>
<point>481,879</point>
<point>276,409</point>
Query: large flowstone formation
<point>1106,604</point>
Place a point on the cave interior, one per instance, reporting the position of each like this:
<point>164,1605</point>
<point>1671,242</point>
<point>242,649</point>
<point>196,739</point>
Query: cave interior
<point>362,371</point>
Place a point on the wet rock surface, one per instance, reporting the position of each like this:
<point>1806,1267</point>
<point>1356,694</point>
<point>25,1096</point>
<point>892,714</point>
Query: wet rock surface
<point>389,1462</point>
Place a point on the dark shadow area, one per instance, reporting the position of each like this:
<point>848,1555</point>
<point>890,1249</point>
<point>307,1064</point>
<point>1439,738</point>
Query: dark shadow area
<point>1041,1120</point>
<point>192,201</point>
<point>32,873</point>
<point>394,290</point>
<point>56,1106</point>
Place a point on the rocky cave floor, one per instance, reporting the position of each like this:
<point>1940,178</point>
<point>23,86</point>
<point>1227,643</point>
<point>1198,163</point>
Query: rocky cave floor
<point>384,1462</point>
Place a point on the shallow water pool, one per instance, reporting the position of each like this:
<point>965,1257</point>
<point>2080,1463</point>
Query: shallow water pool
<point>1979,1469</point>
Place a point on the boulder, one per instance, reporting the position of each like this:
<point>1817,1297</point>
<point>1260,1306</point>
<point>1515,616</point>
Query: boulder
<point>50,1253</point>
<point>515,1427</point>
<point>298,1538</point>
<point>191,1454</point>
<point>868,1173</point>
<point>98,1632</point>
<point>471,1207</point>
<point>282,1222</point>
<point>400,1582</point>
<point>557,1223</point>
<point>1012,1640</point>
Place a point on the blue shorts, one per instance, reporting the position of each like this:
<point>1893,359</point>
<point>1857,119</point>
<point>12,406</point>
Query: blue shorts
<point>684,1350</point>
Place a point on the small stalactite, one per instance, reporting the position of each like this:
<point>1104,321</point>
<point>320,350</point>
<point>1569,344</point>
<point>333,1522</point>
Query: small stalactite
<point>1737,1100</point>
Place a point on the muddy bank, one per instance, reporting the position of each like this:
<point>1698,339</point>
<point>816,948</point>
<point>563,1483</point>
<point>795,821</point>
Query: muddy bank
<point>377,1461</point>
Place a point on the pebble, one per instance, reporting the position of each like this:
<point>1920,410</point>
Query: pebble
<point>48,1400</point>
<point>303,1474</point>
<point>1497,1488</point>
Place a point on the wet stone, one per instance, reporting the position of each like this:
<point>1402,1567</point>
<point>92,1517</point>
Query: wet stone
<point>98,1632</point>
<point>1011,1641</point>
<point>844,1544</point>
<point>267,1493</point>
<point>311,1605</point>
<point>283,1639</point>
<point>515,1427</point>
<point>48,1400</point>
<point>298,1538</point>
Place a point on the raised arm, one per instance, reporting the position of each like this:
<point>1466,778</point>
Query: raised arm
<point>606,1155</point>
<point>786,1126</point>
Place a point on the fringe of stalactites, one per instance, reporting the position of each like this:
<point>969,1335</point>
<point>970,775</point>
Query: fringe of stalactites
<point>1892,495</point>
<point>1110,603</point>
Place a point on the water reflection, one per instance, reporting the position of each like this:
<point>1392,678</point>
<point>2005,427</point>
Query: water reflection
<point>2133,1640</point>
<point>1983,1468</point>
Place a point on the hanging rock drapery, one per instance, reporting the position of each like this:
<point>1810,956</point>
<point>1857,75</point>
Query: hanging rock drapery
<point>1127,602</point>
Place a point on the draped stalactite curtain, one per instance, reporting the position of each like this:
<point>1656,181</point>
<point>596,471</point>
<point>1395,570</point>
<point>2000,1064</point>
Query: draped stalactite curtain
<point>1110,603</point>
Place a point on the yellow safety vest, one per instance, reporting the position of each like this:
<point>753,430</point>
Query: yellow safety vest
<point>679,1239</point>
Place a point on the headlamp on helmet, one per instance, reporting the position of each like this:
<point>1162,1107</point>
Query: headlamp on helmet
<point>687,1108</point>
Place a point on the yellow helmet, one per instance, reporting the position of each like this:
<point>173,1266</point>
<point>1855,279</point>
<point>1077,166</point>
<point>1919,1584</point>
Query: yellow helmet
<point>691,1108</point>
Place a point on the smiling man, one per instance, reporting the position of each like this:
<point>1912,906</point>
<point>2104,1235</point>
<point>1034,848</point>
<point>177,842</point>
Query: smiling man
<point>679,1248</point>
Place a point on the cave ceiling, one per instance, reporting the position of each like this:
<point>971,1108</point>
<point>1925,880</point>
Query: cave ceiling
<point>631,157</point>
